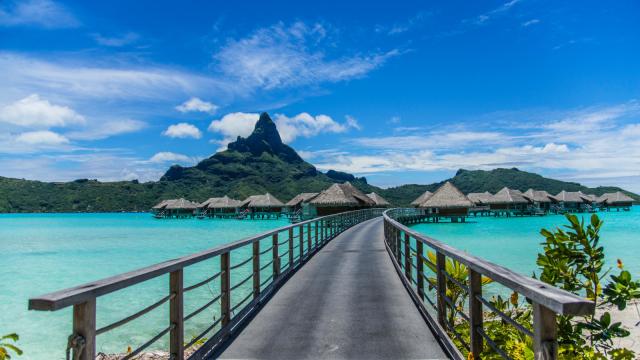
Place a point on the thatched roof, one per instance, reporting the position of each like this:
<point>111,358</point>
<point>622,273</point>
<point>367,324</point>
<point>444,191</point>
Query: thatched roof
<point>379,200</point>
<point>342,195</point>
<point>569,196</point>
<point>614,198</point>
<point>224,202</point>
<point>588,197</point>
<point>180,204</point>
<point>540,196</point>
<point>300,198</point>
<point>160,205</point>
<point>422,198</point>
<point>508,196</point>
<point>262,201</point>
<point>447,196</point>
<point>480,198</point>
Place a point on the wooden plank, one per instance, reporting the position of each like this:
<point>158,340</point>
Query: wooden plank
<point>545,333</point>
<point>475,313</point>
<point>290,247</point>
<point>309,236</point>
<point>225,292</point>
<point>176,316</point>
<point>441,290</point>
<point>315,238</point>
<point>407,256</point>
<point>420,269</point>
<point>84,325</point>
<point>558,300</point>
<point>301,240</point>
<point>256,270</point>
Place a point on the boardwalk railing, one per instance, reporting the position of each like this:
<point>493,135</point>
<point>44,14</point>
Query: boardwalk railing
<point>269,267</point>
<point>421,263</point>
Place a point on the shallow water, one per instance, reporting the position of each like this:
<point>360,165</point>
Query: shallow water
<point>515,242</point>
<point>48,252</point>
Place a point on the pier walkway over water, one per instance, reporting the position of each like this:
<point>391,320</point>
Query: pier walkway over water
<point>355,285</point>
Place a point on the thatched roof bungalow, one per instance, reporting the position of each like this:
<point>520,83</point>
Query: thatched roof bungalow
<point>616,200</point>
<point>220,205</point>
<point>422,198</point>
<point>379,200</point>
<point>540,199</point>
<point>266,201</point>
<point>448,201</point>
<point>480,199</point>
<point>508,199</point>
<point>175,208</point>
<point>338,198</point>
<point>299,199</point>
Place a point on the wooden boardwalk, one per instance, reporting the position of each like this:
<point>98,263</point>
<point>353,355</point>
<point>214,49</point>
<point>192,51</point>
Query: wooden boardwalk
<point>347,302</point>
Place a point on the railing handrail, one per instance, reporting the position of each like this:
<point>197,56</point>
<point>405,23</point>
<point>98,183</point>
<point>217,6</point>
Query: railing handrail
<point>76,295</point>
<point>555,299</point>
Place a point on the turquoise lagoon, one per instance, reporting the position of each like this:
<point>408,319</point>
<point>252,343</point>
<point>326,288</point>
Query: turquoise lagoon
<point>48,252</point>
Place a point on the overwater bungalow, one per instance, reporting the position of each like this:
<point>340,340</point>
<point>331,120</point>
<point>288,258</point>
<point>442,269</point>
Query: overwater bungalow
<point>338,198</point>
<point>379,200</point>
<point>222,207</point>
<point>448,202</point>
<point>509,202</point>
<point>570,201</point>
<point>175,208</point>
<point>480,199</point>
<point>422,198</point>
<point>264,206</point>
<point>540,199</point>
<point>617,200</point>
<point>297,208</point>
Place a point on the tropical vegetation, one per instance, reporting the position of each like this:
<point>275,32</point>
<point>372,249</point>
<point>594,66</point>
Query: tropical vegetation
<point>7,346</point>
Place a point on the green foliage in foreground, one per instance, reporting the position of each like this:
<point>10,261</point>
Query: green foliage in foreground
<point>7,346</point>
<point>573,260</point>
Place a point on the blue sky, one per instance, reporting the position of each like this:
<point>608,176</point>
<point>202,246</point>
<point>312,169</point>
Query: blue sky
<point>403,92</point>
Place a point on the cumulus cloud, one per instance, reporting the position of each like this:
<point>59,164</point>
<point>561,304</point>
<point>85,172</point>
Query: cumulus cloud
<point>167,156</point>
<point>233,125</point>
<point>283,56</point>
<point>36,112</point>
<point>43,137</point>
<point>195,104</point>
<point>182,130</point>
<point>42,13</point>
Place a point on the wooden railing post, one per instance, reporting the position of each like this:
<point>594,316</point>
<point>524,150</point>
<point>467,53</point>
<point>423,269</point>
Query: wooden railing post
<point>407,257</point>
<point>301,241</point>
<point>545,333</point>
<point>442,287</point>
<point>475,312</point>
<point>397,242</point>
<point>276,257</point>
<point>225,285</point>
<point>84,324</point>
<point>256,269</point>
<point>420,269</point>
<point>290,247</point>
<point>316,234</point>
<point>309,237</point>
<point>176,335</point>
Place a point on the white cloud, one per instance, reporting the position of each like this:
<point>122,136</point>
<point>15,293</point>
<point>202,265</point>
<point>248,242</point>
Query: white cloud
<point>484,18</point>
<point>116,41</point>
<point>43,13</point>
<point>195,104</point>
<point>35,112</point>
<point>530,22</point>
<point>109,128</point>
<point>302,125</point>
<point>43,137</point>
<point>306,125</point>
<point>76,78</point>
<point>182,130</point>
<point>432,140</point>
<point>167,156</point>
<point>288,56</point>
<point>233,125</point>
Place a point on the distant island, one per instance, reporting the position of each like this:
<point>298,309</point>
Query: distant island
<point>254,165</point>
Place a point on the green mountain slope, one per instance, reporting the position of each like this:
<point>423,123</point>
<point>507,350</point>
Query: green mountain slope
<point>258,164</point>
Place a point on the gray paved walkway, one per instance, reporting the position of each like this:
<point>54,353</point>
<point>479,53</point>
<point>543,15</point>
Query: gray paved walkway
<point>347,302</point>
